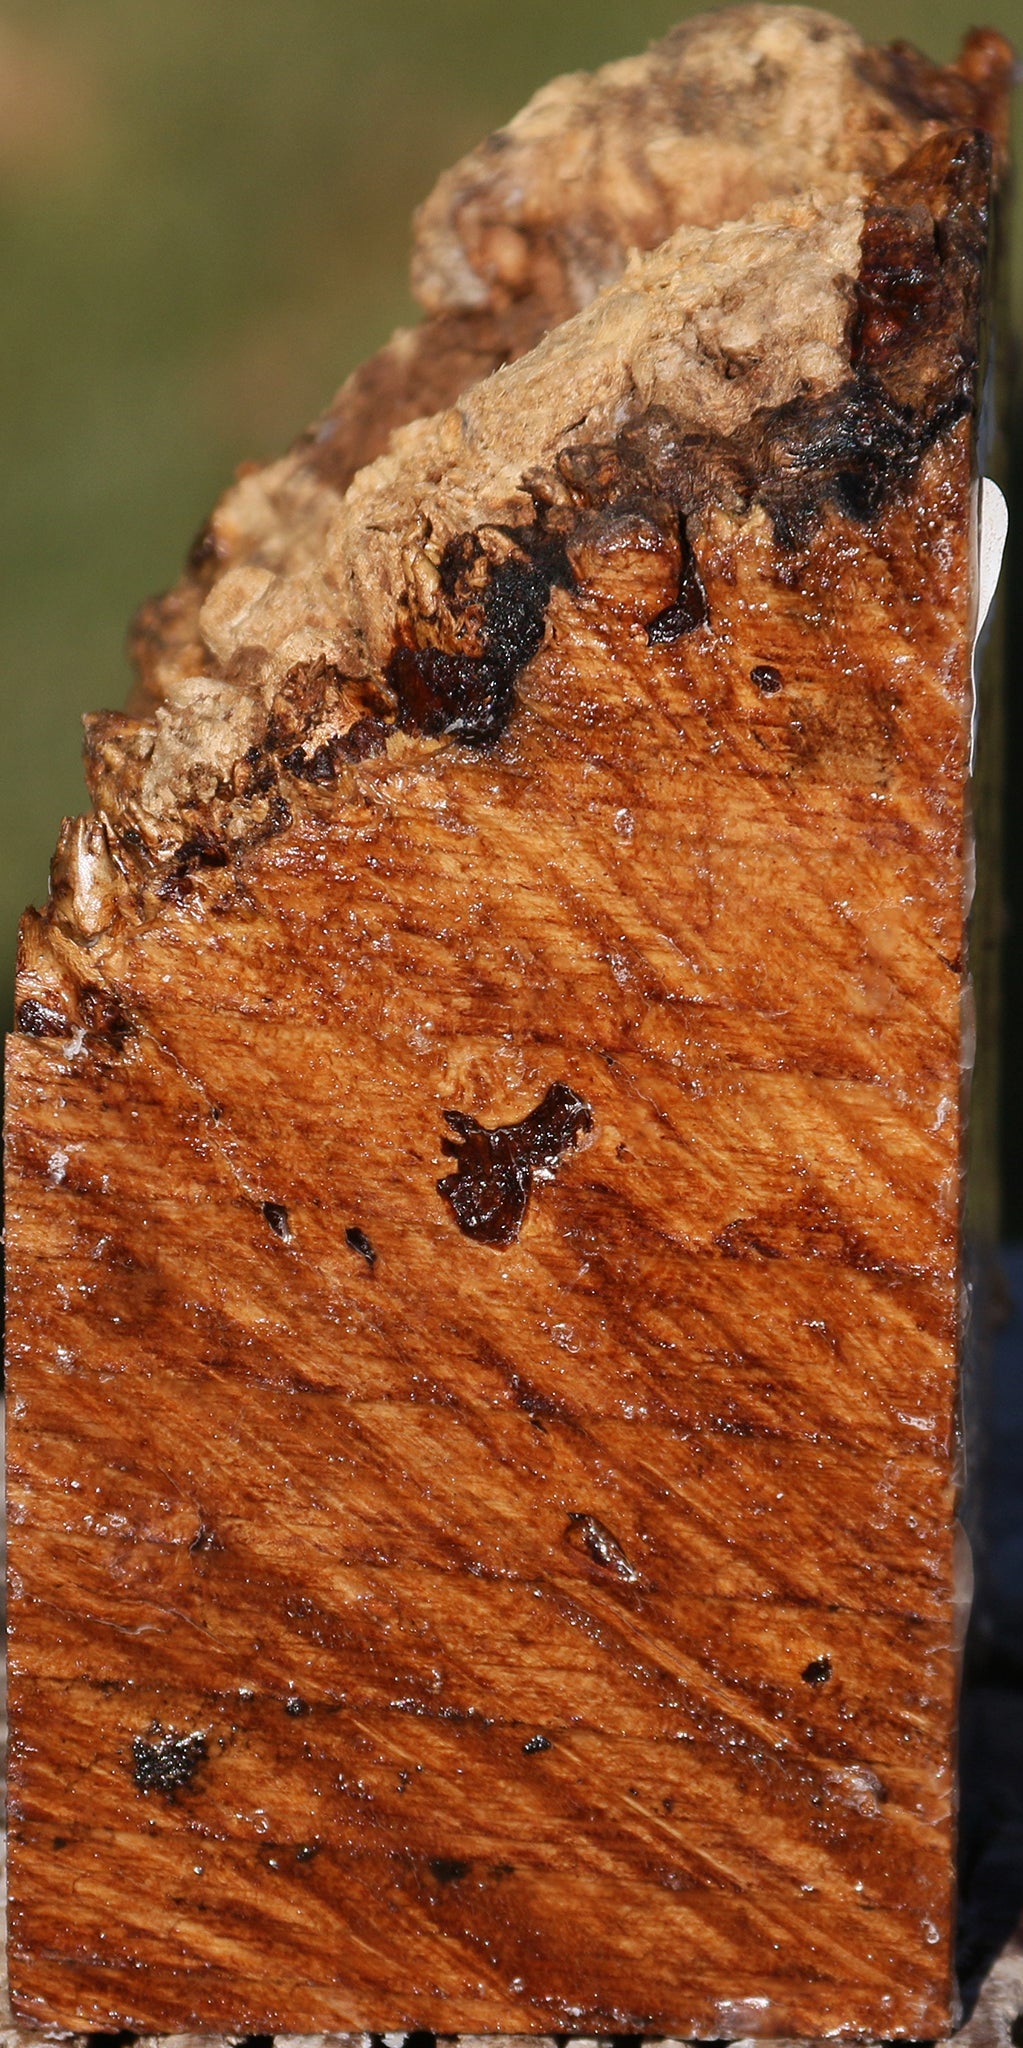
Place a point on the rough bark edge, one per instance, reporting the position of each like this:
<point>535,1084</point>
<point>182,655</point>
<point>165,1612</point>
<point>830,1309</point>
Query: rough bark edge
<point>912,353</point>
<point>505,249</point>
<point>912,343</point>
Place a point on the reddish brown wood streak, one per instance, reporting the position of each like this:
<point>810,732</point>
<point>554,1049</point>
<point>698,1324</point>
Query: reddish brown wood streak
<point>553,1632</point>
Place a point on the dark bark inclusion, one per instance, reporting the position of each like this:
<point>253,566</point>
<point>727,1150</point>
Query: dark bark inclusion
<point>472,696</point>
<point>489,1191</point>
<point>913,376</point>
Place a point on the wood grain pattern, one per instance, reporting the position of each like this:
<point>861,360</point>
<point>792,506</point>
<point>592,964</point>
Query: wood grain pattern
<point>414,1631</point>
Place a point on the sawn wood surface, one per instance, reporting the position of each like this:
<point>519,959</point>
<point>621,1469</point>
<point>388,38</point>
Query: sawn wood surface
<point>484,1200</point>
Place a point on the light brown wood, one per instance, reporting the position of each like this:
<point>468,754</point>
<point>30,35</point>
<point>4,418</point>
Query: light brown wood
<point>484,1151</point>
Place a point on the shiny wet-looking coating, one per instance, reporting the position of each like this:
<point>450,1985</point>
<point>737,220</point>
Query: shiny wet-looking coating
<point>510,1588</point>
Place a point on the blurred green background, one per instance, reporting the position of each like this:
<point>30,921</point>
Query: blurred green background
<point>205,224</point>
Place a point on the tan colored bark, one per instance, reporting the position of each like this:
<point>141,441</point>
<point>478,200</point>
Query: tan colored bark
<point>727,112</point>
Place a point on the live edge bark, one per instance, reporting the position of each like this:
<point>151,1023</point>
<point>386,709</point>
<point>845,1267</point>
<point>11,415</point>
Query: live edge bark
<point>485,1124</point>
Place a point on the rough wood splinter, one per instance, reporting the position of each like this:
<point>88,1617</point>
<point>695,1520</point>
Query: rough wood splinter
<point>484,1124</point>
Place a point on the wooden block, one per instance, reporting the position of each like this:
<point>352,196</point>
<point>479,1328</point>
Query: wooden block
<point>484,1127</point>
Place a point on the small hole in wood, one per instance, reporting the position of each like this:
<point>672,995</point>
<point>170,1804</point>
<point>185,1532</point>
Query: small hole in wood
<point>357,1240</point>
<point>818,1671</point>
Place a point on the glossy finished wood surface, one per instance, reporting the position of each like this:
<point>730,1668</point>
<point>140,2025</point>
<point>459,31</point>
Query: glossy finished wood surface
<point>541,1624</point>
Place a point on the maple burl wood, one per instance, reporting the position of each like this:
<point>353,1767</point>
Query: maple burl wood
<point>485,1125</point>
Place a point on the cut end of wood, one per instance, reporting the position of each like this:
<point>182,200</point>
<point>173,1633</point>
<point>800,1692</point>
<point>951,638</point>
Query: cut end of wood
<point>485,1124</point>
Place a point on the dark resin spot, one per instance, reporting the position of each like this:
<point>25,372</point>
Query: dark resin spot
<point>680,618</point>
<point>818,1671</point>
<point>368,736</point>
<point>175,888</point>
<point>472,696</point>
<point>600,1544</point>
<point>489,1193</point>
<point>201,851</point>
<point>449,1869</point>
<point>164,1762</point>
<point>296,1706</point>
<point>277,1217</point>
<point>315,767</point>
<point>36,1020</point>
<point>537,1404</point>
<point>768,680</point>
<point>359,1242</point>
<point>104,1015</point>
<point>536,1745</point>
<point>690,608</point>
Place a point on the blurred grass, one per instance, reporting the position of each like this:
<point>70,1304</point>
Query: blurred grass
<point>204,217</point>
